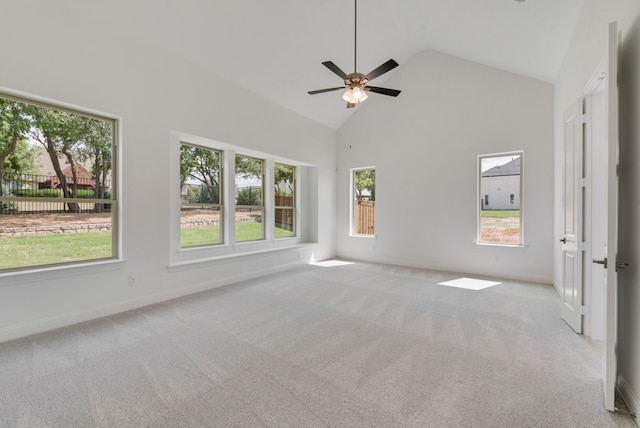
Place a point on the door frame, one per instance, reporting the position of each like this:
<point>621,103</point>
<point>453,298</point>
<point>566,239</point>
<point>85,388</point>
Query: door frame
<point>594,322</point>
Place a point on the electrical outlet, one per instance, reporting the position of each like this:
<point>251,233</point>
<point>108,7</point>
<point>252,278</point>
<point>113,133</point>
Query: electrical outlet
<point>132,281</point>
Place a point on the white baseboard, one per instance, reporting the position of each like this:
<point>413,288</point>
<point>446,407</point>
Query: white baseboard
<point>51,323</point>
<point>450,268</point>
<point>630,398</point>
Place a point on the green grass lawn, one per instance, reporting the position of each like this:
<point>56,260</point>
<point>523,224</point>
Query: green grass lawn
<point>21,251</point>
<point>208,235</point>
<point>500,213</point>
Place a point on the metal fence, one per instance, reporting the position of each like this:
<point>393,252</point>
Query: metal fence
<point>33,194</point>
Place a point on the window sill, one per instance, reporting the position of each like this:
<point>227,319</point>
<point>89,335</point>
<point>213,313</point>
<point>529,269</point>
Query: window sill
<point>363,236</point>
<point>197,263</point>
<point>56,272</point>
<point>497,244</point>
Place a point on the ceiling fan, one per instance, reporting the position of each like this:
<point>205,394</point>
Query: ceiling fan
<point>356,83</point>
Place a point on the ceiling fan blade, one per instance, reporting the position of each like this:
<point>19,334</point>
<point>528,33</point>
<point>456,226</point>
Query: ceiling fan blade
<point>320,91</point>
<point>350,105</point>
<point>383,91</point>
<point>331,66</point>
<point>387,66</point>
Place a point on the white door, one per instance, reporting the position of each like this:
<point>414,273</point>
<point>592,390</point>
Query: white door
<point>572,217</point>
<point>611,262</point>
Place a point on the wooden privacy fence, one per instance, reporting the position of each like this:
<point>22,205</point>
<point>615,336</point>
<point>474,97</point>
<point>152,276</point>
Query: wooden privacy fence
<point>284,216</point>
<point>364,217</point>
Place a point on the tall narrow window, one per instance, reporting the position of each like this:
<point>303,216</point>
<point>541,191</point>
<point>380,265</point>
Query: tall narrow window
<point>201,196</point>
<point>499,214</point>
<point>363,183</point>
<point>249,199</point>
<point>285,200</point>
<point>58,200</point>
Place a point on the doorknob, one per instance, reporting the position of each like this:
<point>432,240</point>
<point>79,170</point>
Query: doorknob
<point>601,262</point>
<point>563,240</point>
<point>622,265</point>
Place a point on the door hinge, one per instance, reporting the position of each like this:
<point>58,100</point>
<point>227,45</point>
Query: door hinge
<point>584,182</point>
<point>622,265</point>
<point>583,310</point>
<point>586,118</point>
<point>602,262</point>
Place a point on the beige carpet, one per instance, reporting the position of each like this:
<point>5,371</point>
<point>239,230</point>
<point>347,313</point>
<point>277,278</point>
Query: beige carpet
<point>360,345</point>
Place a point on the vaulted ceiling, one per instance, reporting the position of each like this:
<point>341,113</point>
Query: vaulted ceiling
<point>275,47</point>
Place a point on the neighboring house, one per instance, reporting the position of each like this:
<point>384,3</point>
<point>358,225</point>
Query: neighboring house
<point>48,178</point>
<point>500,187</point>
<point>85,180</point>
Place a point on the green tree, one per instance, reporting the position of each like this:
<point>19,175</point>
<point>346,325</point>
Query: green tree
<point>284,176</point>
<point>60,133</point>
<point>202,165</point>
<point>366,180</point>
<point>14,126</point>
<point>96,147</point>
<point>248,167</point>
<point>250,196</point>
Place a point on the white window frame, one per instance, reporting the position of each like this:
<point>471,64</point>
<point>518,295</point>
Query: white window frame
<point>352,195</point>
<point>189,257</point>
<point>95,264</point>
<point>294,208</point>
<point>221,188</point>
<point>265,216</point>
<point>480,198</point>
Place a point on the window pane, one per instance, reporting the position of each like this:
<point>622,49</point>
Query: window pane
<point>500,184</point>
<point>201,196</point>
<point>364,197</point>
<point>44,233</point>
<point>284,202</point>
<point>53,154</point>
<point>249,199</point>
<point>200,225</point>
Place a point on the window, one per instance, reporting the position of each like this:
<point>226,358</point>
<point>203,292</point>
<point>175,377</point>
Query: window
<point>249,199</point>
<point>284,200</point>
<point>499,214</point>
<point>58,201</point>
<point>233,200</point>
<point>201,196</point>
<point>363,183</point>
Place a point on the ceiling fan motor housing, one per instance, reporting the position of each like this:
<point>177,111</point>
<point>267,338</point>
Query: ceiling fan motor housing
<point>356,79</point>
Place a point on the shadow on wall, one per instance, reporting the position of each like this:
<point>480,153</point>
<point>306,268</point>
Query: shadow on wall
<point>629,238</point>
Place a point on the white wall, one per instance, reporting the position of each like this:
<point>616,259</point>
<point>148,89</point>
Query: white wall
<point>585,52</point>
<point>57,53</point>
<point>424,145</point>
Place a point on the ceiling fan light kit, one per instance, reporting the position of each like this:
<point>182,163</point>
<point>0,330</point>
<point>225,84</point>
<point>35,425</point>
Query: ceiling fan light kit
<point>355,84</point>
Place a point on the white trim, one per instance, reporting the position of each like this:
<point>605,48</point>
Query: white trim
<point>229,248</point>
<point>59,321</point>
<point>34,273</point>
<point>630,398</point>
<point>478,197</point>
<point>352,181</point>
<point>59,271</point>
<point>450,268</point>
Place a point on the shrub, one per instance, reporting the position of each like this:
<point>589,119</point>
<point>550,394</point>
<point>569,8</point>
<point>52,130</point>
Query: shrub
<point>37,193</point>
<point>56,193</point>
<point>249,196</point>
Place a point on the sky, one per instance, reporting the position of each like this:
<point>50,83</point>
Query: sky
<point>490,162</point>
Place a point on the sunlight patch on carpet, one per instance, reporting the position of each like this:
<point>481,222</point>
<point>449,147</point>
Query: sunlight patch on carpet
<point>470,283</point>
<point>331,263</point>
